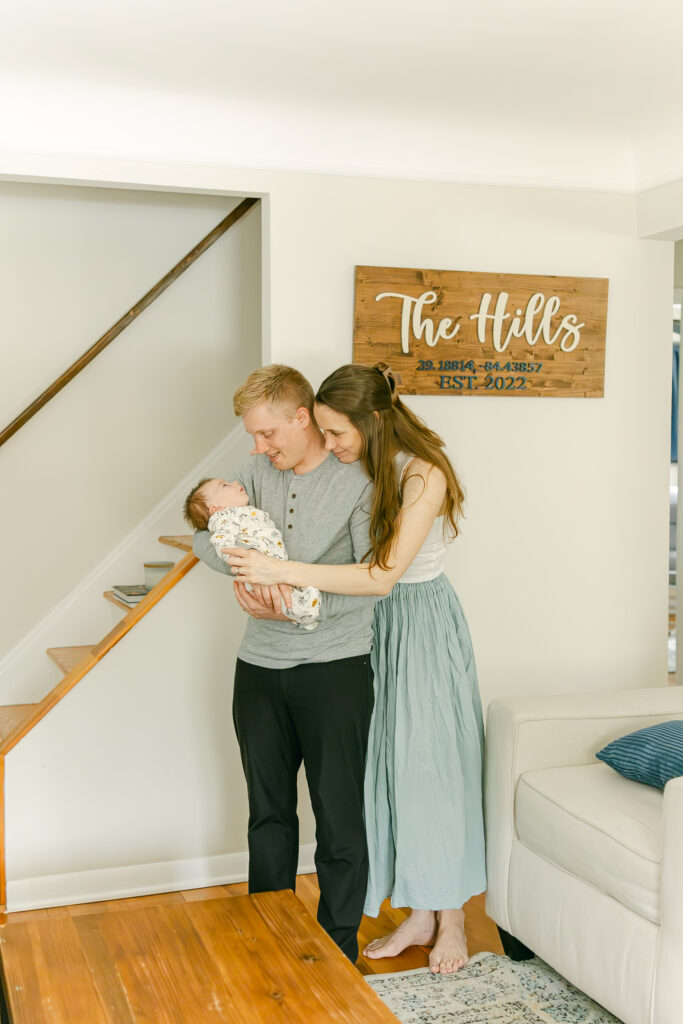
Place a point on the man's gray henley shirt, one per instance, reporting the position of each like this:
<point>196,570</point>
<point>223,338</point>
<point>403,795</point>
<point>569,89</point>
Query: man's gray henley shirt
<point>323,516</point>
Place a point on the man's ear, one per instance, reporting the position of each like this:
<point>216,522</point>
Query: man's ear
<point>302,416</point>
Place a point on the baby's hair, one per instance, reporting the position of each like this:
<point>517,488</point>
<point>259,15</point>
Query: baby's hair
<point>195,509</point>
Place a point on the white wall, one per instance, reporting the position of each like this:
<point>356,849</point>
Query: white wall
<point>562,562</point>
<point>27,673</point>
<point>660,211</point>
<point>133,783</point>
<point>82,474</point>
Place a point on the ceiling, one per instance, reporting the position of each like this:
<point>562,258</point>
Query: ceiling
<point>540,92</point>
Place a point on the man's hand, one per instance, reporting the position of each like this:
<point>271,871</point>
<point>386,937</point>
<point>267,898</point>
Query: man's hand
<point>259,605</point>
<point>273,597</point>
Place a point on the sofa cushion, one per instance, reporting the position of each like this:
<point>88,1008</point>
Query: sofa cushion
<point>653,755</point>
<point>598,826</point>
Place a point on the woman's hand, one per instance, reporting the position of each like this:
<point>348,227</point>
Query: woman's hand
<point>255,567</point>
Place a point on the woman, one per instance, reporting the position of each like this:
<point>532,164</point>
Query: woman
<point>423,787</point>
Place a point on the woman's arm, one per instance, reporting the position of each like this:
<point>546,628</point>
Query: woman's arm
<point>424,490</point>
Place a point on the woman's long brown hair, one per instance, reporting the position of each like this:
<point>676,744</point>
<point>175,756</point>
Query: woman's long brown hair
<point>358,392</point>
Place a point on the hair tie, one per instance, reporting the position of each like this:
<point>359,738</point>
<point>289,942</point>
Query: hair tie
<point>392,379</point>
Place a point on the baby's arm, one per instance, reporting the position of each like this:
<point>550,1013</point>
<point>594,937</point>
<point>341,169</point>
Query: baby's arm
<point>267,539</point>
<point>239,527</point>
<point>225,527</point>
<point>261,533</point>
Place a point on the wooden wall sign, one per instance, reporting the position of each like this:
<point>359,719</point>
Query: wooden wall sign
<point>453,332</point>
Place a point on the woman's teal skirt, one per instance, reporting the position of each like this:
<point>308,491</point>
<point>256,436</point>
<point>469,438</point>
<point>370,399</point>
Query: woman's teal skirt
<point>423,784</point>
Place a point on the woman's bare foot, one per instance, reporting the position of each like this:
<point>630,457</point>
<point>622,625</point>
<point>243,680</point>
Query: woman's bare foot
<point>450,949</point>
<point>416,930</point>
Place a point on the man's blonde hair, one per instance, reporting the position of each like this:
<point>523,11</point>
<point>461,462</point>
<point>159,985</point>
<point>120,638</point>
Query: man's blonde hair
<point>277,384</point>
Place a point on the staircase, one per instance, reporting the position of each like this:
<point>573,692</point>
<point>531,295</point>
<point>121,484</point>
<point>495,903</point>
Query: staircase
<point>17,720</point>
<point>72,737</point>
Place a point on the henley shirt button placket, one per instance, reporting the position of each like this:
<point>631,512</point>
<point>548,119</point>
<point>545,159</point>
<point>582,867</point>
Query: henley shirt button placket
<point>291,512</point>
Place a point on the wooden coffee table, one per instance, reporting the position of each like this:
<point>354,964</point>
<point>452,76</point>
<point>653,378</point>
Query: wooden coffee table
<point>256,959</point>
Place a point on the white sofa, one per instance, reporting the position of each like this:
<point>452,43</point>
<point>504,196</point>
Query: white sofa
<point>585,867</point>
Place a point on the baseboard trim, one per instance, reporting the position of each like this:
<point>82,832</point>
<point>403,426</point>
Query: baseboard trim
<point>136,880</point>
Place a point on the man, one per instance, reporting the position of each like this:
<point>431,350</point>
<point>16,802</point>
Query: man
<point>303,695</point>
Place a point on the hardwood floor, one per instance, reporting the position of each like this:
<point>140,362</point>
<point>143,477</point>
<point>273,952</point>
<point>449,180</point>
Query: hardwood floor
<point>482,934</point>
<point>213,956</point>
<point>54,941</point>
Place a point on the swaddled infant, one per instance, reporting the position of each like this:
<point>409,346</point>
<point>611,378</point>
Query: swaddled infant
<point>223,509</point>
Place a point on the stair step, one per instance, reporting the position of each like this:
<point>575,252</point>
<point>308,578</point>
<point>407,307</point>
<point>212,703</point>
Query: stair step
<point>184,543</point>
<point>11,715</point>
<point>68,657</point>
<point>18,719</point>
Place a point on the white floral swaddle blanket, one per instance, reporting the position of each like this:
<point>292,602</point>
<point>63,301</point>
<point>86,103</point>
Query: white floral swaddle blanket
<point>244,526</point>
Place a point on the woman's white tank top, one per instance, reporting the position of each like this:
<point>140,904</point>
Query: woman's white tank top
<point>430,559</point>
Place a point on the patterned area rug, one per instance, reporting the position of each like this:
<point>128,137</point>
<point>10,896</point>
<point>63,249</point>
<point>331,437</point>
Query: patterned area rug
<point>491,989</point>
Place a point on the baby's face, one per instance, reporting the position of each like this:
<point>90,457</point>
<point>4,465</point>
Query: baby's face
<point>220,494</point>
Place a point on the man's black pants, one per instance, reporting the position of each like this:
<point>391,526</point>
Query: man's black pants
<point>318,713</point>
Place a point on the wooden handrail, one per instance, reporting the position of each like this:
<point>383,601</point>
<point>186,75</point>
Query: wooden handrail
<point>125,320</point>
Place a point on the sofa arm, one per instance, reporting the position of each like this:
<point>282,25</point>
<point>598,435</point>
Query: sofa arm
<point>668,988</point>
<point>544,732</point>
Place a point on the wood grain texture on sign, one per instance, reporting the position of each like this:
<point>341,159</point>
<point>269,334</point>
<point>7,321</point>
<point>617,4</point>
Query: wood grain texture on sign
<point>490,334</point>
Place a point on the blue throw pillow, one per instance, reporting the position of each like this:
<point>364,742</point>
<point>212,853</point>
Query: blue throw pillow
<point>653,755</point>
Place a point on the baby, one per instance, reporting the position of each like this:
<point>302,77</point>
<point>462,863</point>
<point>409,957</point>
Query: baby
<point>223,509</point>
